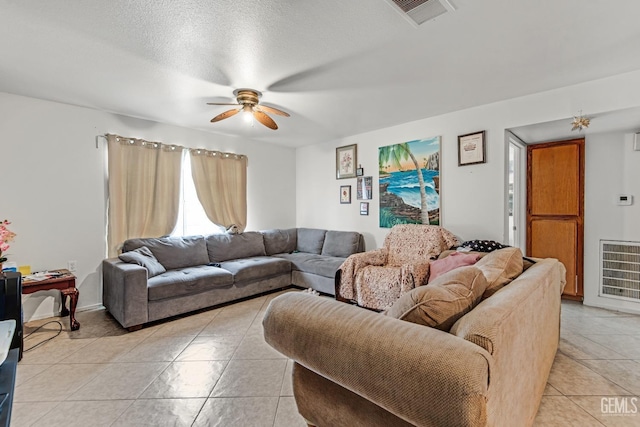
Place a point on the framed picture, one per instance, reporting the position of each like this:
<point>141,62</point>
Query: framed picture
<point>471,149</point>
<point>363,188</point>
<point>346,161</point>
<point>359,172</point>
<point>345,194</point>
<point>408,174</point>
<point>364,208</point>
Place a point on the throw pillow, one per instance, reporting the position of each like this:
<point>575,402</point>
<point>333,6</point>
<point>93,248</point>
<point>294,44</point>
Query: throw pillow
<point>453,261</point>
<point>483,245</point>
<point>310,240</point>
<point>173,252</point>
<point>441,303</point>
<point>448,252</point>
<point>500,267</point>
<point>143,256</point>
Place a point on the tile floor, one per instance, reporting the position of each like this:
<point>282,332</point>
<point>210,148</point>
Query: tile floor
<point>214,369</point>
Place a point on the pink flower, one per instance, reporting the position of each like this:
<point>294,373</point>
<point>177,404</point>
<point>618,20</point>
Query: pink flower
<point>6,236</point>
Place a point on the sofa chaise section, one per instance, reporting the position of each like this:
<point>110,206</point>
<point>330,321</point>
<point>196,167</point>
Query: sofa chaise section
<point>315,254</point>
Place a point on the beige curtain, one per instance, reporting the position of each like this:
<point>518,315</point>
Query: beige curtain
<point>221,185</point>
<point>144,189</point>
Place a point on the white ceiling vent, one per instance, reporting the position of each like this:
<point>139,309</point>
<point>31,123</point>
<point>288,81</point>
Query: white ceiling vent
<point>421,11</point>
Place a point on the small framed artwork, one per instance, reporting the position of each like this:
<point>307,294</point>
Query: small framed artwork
<point>345,194</point>
<point>364,208</point>
<point>346,161</point>
<point>471,149</point>
<point>359,171</point>
<point>364,187</point>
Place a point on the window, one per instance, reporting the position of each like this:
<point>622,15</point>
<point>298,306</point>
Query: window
<point>192,220</point>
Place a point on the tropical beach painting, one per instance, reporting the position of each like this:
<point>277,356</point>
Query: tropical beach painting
<point>410,182</point>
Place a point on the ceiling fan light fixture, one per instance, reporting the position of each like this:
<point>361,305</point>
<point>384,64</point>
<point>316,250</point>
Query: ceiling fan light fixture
<point>248,100</point>
<point>247,113</point>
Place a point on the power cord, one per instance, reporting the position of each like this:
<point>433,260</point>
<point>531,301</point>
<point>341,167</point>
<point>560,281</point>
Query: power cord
<point>45,341</point>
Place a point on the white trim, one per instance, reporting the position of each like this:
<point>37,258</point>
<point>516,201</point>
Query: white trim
<point>520,190</point>
<point>56,315</point>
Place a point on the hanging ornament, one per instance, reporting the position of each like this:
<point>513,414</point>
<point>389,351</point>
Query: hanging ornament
<point>579,122</point>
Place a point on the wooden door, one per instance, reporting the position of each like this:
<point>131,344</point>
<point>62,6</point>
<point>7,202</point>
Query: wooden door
<point>555,207</point>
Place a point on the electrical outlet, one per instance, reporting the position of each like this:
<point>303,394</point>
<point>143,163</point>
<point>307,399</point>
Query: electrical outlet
<point>72,265</point>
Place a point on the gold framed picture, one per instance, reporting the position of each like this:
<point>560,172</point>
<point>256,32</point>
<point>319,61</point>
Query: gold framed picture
<point>346,158</point>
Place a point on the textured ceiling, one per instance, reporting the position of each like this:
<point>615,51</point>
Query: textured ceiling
<point>339,67</point>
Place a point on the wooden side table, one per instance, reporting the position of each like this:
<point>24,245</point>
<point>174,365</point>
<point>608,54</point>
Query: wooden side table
<point>65,282</point>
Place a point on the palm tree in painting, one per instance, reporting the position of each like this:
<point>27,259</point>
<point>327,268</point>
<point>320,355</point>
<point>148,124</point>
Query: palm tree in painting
<point>395,154</point>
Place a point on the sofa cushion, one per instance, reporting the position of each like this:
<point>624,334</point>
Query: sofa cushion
<point>280,241</point>
<point>256,268</point>
<point>173,252</point>
<point>321,265</point>
<point>441,303</point>
<point>340,243</point>
<point>143,256</point>
<point>223,247</point>
<point>500,267</point>
<point>456,259</point>
<point>187,281</point>
<point>310,240</point>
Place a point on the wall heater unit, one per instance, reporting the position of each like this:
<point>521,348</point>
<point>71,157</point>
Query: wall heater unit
<point>620,270</point>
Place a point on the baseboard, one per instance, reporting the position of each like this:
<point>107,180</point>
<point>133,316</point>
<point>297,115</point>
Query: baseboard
<point>612,307</point>
<point>91,307</point>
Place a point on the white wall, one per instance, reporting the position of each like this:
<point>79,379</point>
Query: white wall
<point>472,197</point>
<point>612,168</point>
<point>53,186</point>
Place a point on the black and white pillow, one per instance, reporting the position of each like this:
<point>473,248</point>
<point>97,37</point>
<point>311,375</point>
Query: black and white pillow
<point>483,245</point>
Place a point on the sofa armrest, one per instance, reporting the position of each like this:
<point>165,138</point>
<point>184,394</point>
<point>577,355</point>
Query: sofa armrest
<point>124,292</point>
<point>422,375</point>
<point>519,326</point>
<point>346,274</point>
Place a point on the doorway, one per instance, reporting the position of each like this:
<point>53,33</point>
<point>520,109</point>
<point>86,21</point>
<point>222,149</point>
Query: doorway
<point>555,207</point>
<point>516,192</point>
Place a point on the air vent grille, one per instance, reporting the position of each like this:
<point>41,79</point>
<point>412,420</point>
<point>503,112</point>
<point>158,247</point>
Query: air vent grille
<point>420,11</point>
<point>620,269</point>
<point>407,5</point>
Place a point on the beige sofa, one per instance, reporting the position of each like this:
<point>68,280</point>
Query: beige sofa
<point>355,367</point>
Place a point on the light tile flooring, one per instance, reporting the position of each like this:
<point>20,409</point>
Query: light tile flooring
<point>214,369</point>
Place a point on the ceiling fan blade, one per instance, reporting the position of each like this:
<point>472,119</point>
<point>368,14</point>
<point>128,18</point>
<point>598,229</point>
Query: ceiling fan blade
<point>225,115</point>
<point>265,120</point>
<point>272,110</point>
<point>219,103</point>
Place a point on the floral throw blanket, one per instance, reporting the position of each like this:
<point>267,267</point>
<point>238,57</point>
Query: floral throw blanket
<point>376,279</point>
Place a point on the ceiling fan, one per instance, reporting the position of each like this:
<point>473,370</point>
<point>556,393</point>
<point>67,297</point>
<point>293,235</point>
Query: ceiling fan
<point>248,101</point>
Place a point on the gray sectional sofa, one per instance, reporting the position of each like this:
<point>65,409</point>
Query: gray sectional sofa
<point>168,276</point>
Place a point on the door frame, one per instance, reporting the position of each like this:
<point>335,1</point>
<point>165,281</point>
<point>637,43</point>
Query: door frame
<point>520,191</point>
